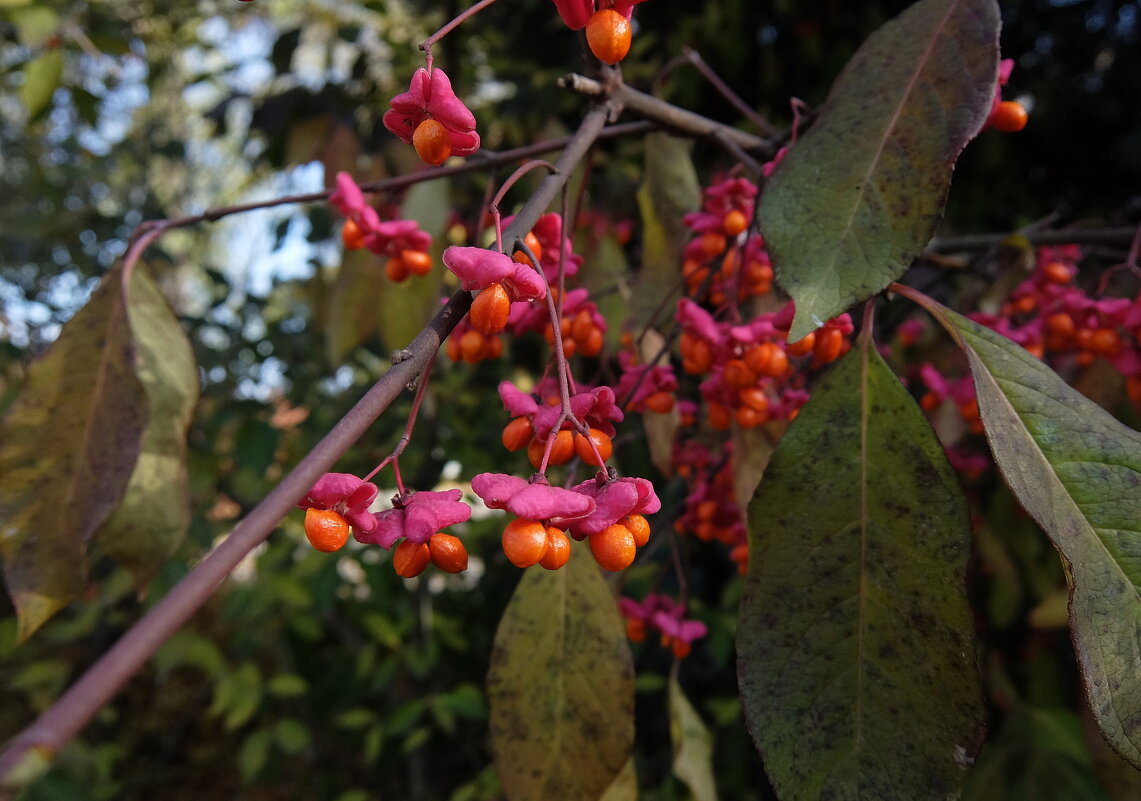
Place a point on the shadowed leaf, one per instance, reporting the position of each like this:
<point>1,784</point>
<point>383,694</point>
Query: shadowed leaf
<point>855,642</point>
<point>693,746</point>
<point>69,444</point>
<point>1077,471</point>
<point>561,686</point>
<point>669,191</point>
<point>858,197</point>
<point>353,303</point>
<point>41,79</point>
<point>151,521</point>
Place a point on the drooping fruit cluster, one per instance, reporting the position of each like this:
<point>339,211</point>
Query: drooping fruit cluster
<point>723,263</point>
<point>529,542</point>
<point>667,616</point>
<point>749,368</point>
<point>402,241</point>
<point>1054,319</point>
<point>432,119</point>
<point>445,551</point>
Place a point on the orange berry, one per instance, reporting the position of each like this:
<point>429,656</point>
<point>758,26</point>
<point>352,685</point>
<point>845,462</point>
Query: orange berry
<point>1105,341</point>
<point>1133,388</point>
<point>326,529</point>
<point>613,548</point>
<point>750,418</point>
<point>417,261</point>
<point>352,236</point>
<point>1060,325</point>
<point>635,629</point>
<point>396,269</point>
<point>525,542</point>
<point>970,411</point>
<point>681,648</point>
<point>639,526</point>
<point>777,364</point>
<point>829,346</point>
<point>757,358</point>
<point>697,354</point>
<point>472,344</point>
<point>532,242</point>
<point>719,416</point>
<point>1025,304</point>
<point>582,325</point>
<point>734,223</point>
<point>729,263</point>
<point>558,549</point>
<point>432,142</point>
<point>563,449</point>
<point>706,509</point>
<point>712,244</point>
<point>1057,273</point>
<point>802,346</point>
<point>517,434</point>
<point>447,553</point>
<point>608,35</point>
<point>601,441</point>
<point>740,555</point>
<point>493,349</point>
<point>738,374</point>
<point>929,402</point>
<point>490,309</point>
<point>592,345</point>
<point>1009,117</point>
<point>754,398</point>
<point>410,558</point>
<point>661,402</point>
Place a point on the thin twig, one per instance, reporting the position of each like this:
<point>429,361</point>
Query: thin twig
<point>669,115</point>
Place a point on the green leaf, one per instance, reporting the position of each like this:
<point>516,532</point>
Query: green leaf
<point>561,686</point>
<point>1077,471</point>
<point>153,518</point>
<point>857,198</point>
<point>254,753</point>
<point>356,718</point>
<point>693,746</point>
<point>41,79</point>
<point>287,685</point>
<point>669,191</point>
<point>855,640</point>
<point>237,695</point>
<point>36,24</point>
<point>69,444</point>
<point>291,735</point>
